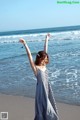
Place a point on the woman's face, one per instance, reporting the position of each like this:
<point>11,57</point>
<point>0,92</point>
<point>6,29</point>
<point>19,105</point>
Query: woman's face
<point>45,61</point>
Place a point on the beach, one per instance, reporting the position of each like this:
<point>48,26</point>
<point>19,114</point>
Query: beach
<point>18,83</point>
<point>22,108</point>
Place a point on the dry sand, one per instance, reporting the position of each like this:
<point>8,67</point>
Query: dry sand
<point>22,108</point>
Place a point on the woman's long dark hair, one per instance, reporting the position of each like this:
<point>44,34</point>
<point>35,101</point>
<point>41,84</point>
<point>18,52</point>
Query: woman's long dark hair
<point>41,56</point>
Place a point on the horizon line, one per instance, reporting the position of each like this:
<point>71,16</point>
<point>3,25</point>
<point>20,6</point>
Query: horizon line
<point>43,30</point>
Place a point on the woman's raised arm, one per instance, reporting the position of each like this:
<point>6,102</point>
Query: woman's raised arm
<point>46,43</point>
<point>29,55</point>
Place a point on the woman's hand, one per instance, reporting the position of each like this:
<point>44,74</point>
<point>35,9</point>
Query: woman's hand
<point>22,41</point>
<point>48,36</point>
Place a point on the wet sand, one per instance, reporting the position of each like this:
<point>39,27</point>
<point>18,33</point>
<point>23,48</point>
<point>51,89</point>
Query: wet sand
<point>22,108</point>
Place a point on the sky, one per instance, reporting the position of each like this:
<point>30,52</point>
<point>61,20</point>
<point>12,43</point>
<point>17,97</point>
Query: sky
<point>35,14</point>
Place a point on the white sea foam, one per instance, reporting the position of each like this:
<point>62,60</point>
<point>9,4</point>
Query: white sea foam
<point>55,74</point>
<point>66,35</point>
<point>71,75</point>
<point>69,35</point>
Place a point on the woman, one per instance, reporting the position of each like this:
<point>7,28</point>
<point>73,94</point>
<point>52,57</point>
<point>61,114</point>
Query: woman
<point>45,106</point>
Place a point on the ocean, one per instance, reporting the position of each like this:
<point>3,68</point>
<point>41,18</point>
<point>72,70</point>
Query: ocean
<point>16,75</point>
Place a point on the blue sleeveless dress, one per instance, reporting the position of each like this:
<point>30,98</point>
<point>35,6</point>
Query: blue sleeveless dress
<point>45,105</point>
